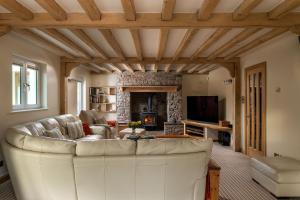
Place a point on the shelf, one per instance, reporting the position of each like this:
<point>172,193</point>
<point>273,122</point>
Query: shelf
<point>103,99</point>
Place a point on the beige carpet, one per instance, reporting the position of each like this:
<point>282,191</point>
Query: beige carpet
<point>235,183</point>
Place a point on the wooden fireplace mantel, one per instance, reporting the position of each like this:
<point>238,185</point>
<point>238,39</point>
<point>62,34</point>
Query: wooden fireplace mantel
<point>149,88</point>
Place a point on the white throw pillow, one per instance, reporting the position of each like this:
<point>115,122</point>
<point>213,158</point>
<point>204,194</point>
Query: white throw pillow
<point>54,133</point>
<point>75,129</point>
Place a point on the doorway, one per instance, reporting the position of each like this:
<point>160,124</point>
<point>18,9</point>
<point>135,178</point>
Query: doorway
<point>255,110</point>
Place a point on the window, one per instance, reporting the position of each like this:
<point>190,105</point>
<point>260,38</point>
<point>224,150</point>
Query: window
<point>79,86</point>
<point>26,85</point>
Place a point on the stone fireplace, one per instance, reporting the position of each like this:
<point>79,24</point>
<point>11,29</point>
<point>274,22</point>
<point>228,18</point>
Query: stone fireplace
<point>172,100</point>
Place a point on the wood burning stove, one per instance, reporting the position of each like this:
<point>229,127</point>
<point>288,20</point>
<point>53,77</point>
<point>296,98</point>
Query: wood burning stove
<point>149,118</point>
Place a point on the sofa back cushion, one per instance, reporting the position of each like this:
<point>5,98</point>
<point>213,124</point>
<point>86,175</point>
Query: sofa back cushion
<point>19,137</point>
<point>63,120</point>
<point>173,146</point>
<point>75,129</point>
<point>36,128</point>
<point>105,148</point>
<point>49,123</point>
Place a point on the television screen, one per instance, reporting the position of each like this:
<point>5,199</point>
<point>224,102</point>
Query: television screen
<point>203,108</point>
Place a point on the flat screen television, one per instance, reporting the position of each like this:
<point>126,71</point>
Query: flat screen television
<point>203,108</point>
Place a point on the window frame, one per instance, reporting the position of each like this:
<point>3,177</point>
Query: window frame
<point>25,64</point>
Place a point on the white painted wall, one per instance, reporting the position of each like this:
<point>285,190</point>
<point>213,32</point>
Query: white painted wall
<point>193,85</point>
<point>225,93</point>
<point>283,108</point>
<point>12,45</point>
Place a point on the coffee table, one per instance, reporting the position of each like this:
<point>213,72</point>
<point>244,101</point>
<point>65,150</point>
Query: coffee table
<point>128,131</point>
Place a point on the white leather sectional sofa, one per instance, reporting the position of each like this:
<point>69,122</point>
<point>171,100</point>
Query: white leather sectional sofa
<point>43,168</point>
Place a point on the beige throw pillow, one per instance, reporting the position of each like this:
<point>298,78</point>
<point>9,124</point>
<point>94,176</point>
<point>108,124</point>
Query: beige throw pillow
<point>54,133</point>
<point>75,129</point>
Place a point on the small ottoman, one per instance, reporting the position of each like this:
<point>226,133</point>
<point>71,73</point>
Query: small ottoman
<point>279,175</point>
<point>128,131</point>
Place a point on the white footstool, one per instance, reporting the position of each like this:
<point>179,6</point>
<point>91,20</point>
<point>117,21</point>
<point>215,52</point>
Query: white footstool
<point>279,175</point>
<point>128,131</point>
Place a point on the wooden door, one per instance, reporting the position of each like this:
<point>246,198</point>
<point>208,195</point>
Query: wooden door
<point>255,110</point>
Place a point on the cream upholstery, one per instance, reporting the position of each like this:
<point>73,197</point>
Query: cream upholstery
<point>280,175</point>
<point>86,169</point>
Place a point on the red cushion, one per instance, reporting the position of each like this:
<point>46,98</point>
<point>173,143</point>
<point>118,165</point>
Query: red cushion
<point>112,123</point>
<point>86,128</point>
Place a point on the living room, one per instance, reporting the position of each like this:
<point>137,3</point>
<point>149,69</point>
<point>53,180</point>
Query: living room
<point>103,66</point>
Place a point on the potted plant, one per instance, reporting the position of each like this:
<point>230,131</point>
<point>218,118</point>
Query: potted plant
<point>134,125</point>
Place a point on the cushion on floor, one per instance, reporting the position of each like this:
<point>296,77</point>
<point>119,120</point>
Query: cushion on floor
<point>279,169</point>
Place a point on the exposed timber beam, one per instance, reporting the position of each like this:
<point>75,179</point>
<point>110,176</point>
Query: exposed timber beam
<point>17,9</point>
<point>28,34</point>
<point>127,67</point>
<point>205,68</point>
<point>91,68</point>
<point>194,68</point>
<point>113,67</point>
<point>129,9</point>
<point>163,38</point>
<point>167,9</point>
<point>234,41</point>
<point>150,20</point>
<point>65,40</point>
<point>256,42</point>
<point>168,67</point>
<point>154,67</point>
<point>137,43</point>
<point>88,41</point>
<point>4,30</point>
<point>102,68</point>
<point>185,42</point>
<point>207,8</point>
<point>109,37</point>
<point>149,60</point>
<point>141,66</point>
<point>210,41</point>
<point>181,68</point>
<point>53,8</point>
<point>283,8</point>
<point>245,9</point>
<point>91,9</point>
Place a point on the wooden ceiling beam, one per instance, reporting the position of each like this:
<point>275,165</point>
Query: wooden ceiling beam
<point>91,9</point>
<point>17,9</point>
<point>205,68</point>
<point>185,42</point>
<point>101,68</point>
<point>234,41</point>
<point>88,41</point>
<point>283,8</point>
<point>149,20</point>
<point>194,68</point>
<point>114,68</point>
<point>163,38</point>
<point>4,30</point>
<point>181,68</point>
<point>256,42</point>
<point>109,37</point>
<point>129,9</point>
<point>210,41</point>
<point>295,29</point>
<point>167,9</point>
<point>127,67</point>
<point>207,8</point>
<point>135,34</point>
<point>150,60</point>
<point>245,9</point>
<point>54,9</point>
<point>65,40</point>
<point>142,67</point>
<point>168,67</point>
<point>91,68</point>
<point>28,34</point>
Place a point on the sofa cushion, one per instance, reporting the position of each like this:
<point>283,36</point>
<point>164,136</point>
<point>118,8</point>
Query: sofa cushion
<point>63,120</point>
<point>75,129</point>
<point>36,128</point>
<point>279,169</point>
<point>91,138</point>
<point>49,123</point>
<point>54,133</point>
<point>105,148</point>
<point>173,146</point>
<point>20,139</point>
